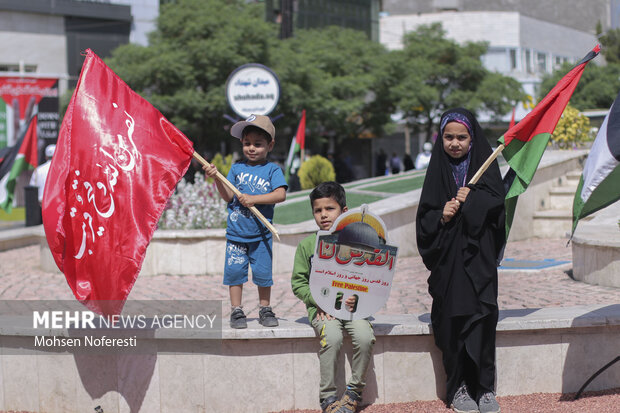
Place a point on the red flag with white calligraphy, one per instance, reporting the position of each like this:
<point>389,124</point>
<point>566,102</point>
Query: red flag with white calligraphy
<point>117,162</point>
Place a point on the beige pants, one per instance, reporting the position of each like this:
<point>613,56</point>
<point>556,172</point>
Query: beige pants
<point>330,333</point>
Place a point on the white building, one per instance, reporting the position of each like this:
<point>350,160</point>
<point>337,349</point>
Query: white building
<point>45,38</point>
<point>522,47</point>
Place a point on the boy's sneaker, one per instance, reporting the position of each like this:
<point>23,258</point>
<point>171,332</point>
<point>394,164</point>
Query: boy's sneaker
<point>348,403</point>
<point>267,318</point>
<point>488,404</point>
<point>462,401</point>
<point>329,405</point>
<point>238,319</point>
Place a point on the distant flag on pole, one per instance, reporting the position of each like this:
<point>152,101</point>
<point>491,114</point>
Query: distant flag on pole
<point>117,162</point>
<point>297,144</point>
<point>526,142</point>
<point>512,118</point>
<point>17,159</point>
<point>599,185</point>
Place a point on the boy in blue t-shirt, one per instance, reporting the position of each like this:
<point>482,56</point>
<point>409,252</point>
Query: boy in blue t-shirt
<point>248,242</point>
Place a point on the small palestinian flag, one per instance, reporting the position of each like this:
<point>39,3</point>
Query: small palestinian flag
<point>16,160</point>
<point>600,181</point>
<point>297,145</point>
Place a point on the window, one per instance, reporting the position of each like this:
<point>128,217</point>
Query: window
<point>559,61</point>
<point>541,62</point>
<point>513,59</point>
<point>528,61</point>
<point>15,68</point>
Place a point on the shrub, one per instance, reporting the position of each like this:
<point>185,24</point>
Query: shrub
<point>573,130</point>
<point>196,206</point>
<point>315,170</point>
<point>222,164</point>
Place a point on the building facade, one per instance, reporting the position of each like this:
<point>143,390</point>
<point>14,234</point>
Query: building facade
<point>46,38</point>
<point>521,46</point>
<point>307,14</point>
<point>578,14</point>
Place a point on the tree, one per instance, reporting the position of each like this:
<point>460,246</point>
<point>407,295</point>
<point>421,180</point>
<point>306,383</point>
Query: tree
<point>610,42</point>
<point>183,71</point>
<point>349,85</point>
<point>334,74</point>
<point>436,73</point>
<point>597,88</point>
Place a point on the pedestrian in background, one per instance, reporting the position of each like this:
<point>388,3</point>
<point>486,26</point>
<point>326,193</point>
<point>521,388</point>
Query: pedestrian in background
<point>39,175</point>
<point>424,157</point>
<point>395,163</point>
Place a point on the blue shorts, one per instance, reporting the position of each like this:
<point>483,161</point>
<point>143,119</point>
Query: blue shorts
<point>239,255</point>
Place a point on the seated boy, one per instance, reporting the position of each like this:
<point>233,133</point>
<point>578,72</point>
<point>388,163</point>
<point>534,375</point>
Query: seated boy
<point>328,201</point>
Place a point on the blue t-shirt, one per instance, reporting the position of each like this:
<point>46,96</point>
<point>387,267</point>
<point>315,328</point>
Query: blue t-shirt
<point>262,179</point>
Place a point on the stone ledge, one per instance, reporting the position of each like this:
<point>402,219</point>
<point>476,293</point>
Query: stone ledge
<point>596,248</point>
<point>417,325</point>
<point>538,350</point>
<point>21,237</point>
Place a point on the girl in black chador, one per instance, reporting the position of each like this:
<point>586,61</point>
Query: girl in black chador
<point>460,233</point>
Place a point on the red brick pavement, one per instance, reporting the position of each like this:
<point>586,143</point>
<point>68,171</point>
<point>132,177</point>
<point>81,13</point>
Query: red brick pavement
<point>21,278</point>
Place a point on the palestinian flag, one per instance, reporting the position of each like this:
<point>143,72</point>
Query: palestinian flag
<point>19,158</point>
<point>599,185</point>
<point>525,143</point>
<point>297,144</point>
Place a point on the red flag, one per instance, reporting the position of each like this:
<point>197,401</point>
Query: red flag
<point>546,114</point>
<point>116,163</point>
<point>300,138</point>
<point>512,119</point>
<point>526,141</point>
<point>29,145</point>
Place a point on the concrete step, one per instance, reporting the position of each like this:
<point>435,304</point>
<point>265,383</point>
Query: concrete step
<point>554,214</point>
<point>554,222</point>
<point>561,197</point>
<point>570,179</point>
<point>574,176</point>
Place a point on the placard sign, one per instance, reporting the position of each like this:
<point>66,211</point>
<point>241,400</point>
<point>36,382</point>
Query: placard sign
<point>252,89</point>
<point>353,259</point>
<point>20,97</point>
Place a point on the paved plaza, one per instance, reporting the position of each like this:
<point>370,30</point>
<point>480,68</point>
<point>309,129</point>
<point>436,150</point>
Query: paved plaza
<point>22,279</point>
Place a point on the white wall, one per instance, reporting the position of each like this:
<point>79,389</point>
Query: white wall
<point>34,39</point>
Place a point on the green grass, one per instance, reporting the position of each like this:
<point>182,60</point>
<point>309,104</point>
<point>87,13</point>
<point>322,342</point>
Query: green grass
<point>300,211</point>
<point>17,214</point>
<point>397,186</point>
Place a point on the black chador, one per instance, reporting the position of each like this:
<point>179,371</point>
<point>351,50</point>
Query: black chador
<point>462,257</point>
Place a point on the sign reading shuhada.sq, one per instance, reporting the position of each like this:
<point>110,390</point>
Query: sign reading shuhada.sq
<point>252,89</point>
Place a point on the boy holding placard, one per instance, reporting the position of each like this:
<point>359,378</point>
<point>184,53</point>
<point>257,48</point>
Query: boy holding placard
<point>328,201</point>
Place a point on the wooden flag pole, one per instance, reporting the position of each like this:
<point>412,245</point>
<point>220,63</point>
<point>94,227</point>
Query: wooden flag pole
<point>486,164</point>
<point>235,191</point>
